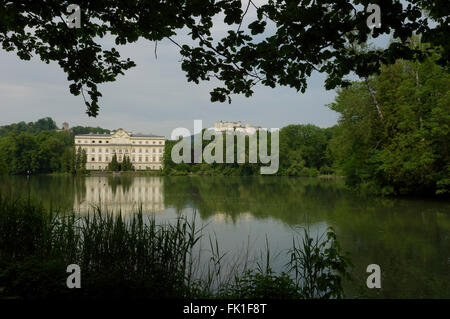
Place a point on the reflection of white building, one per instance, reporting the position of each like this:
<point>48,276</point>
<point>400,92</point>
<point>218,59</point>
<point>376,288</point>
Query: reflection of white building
<point>235,126</point>
<point>145,192</point>
<point>144,151</point>
<point>221,217</point>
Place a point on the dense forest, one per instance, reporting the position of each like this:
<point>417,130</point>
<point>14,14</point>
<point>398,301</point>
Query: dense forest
<point>392,136</point>
<point>393,133</point>
<point>40,147</point>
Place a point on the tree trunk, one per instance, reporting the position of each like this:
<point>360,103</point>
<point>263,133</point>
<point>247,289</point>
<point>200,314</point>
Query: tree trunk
<point>374,99</point>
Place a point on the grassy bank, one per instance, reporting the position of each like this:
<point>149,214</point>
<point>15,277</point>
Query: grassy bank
<point>135,257</point>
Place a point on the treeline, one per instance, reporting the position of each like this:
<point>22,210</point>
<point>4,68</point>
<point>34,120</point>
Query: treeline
<point>47,152</point>
<point>39,147</point>
<point>392,136</point>
<point>44,124</point>
<point>303,152</point>
<point>47,124</point>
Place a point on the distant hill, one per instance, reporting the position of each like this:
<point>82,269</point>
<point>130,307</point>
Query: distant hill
<point>46,124</point>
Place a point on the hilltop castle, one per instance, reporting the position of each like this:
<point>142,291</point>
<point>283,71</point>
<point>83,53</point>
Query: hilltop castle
<point>235,126</point>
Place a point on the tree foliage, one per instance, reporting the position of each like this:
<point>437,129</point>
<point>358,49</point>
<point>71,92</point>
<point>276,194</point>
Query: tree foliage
<point>43,153</point>
<point>44,124</point>
<point>38,147</point>
<point>302,150</point>
<point>407,149</point>
<point>282,45</point>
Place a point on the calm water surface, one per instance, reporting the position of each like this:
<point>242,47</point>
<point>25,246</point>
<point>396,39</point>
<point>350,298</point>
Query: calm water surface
<point>409,238</point>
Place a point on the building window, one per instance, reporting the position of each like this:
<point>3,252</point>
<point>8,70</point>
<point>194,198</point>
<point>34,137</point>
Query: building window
<point>140,159</point>
<point>93,141</point>
<point>140,150</point>
<point>154,159</point>
<point>140,142</point>
<point>107,150</point>
<point>93,150</point>
<point>132,159</point>
<point>107,158</point>
<point>154,150</point>
<point>160,159</point>
<point>146,142</point>
<point>146,151</point>
<point>126,150</point>
<point>160,142</point>
<point>99,150</point>
<point>100,158</point>
<point>93,159</point>
<point>160,150</point>
<point>107,142</point>
<point>100,142</point>
<point>154,142</point>
<point>146,158</point>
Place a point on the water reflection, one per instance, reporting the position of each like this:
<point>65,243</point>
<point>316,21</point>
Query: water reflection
<point>124,194</point>
<point>408,237</point>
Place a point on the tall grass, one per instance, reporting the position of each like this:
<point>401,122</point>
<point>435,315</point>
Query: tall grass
<point>135,257</point>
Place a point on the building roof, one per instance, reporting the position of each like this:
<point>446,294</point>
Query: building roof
<point>110,135</point>
<point>93,135</point>
<point>145,135</point>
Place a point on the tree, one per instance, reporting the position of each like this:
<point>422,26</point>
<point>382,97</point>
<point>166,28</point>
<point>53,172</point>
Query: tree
<point>283,45</point>
<point>67,160</point>
<point>80,160</point>
<point>49,154</point>
<point>309,141</point>
<point>114,164</point>
<point>83,159</point>
<point>406,151</point>
<point>23,154</point>
<point>126,164</point>
<point>3,168</point>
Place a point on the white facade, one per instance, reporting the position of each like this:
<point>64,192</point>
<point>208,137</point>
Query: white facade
<point>144,151</point>
<point>235,127</point>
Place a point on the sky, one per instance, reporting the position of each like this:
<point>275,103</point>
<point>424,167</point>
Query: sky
<point>153,97</point>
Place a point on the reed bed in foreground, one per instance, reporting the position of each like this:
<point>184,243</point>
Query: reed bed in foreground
<point>135,257</point>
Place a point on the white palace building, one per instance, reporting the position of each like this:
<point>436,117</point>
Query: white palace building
<point>144,151</point>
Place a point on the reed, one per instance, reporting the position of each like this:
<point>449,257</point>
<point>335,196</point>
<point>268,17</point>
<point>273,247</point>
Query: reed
<point>134,257</point>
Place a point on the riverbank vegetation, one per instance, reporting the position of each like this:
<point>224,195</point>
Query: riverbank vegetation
<point>392,137</point>
<point>134,257</point>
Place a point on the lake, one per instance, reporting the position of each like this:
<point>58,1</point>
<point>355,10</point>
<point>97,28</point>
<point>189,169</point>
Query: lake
<point>408,237</point>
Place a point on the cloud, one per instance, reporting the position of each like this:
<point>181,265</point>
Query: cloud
<point>152,97</point>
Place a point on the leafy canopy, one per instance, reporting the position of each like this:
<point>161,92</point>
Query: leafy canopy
<point>283,45</point>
